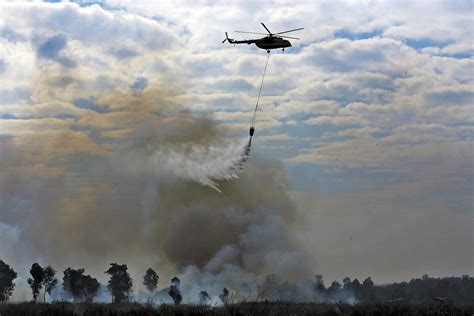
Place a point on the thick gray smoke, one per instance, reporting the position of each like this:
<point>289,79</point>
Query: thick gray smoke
<point>215,240</point>
<point>148,198</point>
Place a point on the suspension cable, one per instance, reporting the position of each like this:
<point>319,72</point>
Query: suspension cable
<point>260,90</point>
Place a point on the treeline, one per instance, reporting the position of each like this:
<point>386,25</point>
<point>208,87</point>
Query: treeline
<point>459,290</point>
<point>80,287</point>
<point>75,283</point>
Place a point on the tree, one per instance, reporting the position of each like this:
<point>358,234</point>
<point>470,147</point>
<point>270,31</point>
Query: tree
<point>150,280</point>
<point>120,283</point>
<point>355,286</point>
<point>319,288</point>
<point>369,290</point>
<point>90,286</point>
<point>319,283</point>
<point>49,281</point>
<point>81,287</point>
<point>7,275</point>
<point>334,289</point>
<point>204,298</point>
<point>72,283</point>
<point>36,283</point>
<point>224,296</point>
<point>174,291</point>
<point>347,284</point>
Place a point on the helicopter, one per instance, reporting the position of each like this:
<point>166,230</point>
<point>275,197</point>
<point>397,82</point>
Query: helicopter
<point>270,41</point>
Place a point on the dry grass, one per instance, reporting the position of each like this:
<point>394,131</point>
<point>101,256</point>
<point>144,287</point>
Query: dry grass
<point>244,308</point>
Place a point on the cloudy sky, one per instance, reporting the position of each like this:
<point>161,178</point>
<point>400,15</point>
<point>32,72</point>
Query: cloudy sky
<point>368,117</point>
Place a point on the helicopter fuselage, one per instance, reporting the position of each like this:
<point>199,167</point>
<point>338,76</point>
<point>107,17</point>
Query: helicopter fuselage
<point>271,42</point>
<point>267,42</point>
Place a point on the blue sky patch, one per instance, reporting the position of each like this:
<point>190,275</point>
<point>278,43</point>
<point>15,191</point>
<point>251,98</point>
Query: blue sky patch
<point>51,48</point>
<point>11,35</point>
<point>346,33</point>
<point>426,42</point>
<point>140,83</point>
<point>8,116</point>
<point>90,104</point>
<point>124,53</point>
<point>19,95</point>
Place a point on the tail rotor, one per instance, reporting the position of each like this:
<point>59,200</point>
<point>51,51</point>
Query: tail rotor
<point>226,38</point>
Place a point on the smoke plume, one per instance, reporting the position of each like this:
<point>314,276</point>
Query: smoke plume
<point>137,183</point>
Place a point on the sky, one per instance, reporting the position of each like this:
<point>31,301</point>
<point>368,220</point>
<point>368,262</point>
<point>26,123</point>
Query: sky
<point>112,111</point>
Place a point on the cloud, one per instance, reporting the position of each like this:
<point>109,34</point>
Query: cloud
<point>11,36</point>
<point>276,138</point>
<point>235,85</point>
<point>402,152</point>
<point>373,96</point>
<point>92,25</point>
<point>17,95</point>
<point>457,95</point>
<point>2,66</point>
<point>51,109</point>
<point>345,55</point>
<point>348,121</point>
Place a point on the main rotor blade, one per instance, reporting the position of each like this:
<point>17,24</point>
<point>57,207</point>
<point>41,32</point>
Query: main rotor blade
<point>249,32</point>
<point>301,28</point>
<point>296,38</point>
<point>267,29</point>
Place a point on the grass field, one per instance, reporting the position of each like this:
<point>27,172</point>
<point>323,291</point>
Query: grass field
<point>247,308</point>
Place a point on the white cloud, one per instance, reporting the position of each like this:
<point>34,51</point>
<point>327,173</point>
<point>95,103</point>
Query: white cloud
<point>336,120</point>
<point>391,90</point>
<point>276,138</point>
<point>44,110</point>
